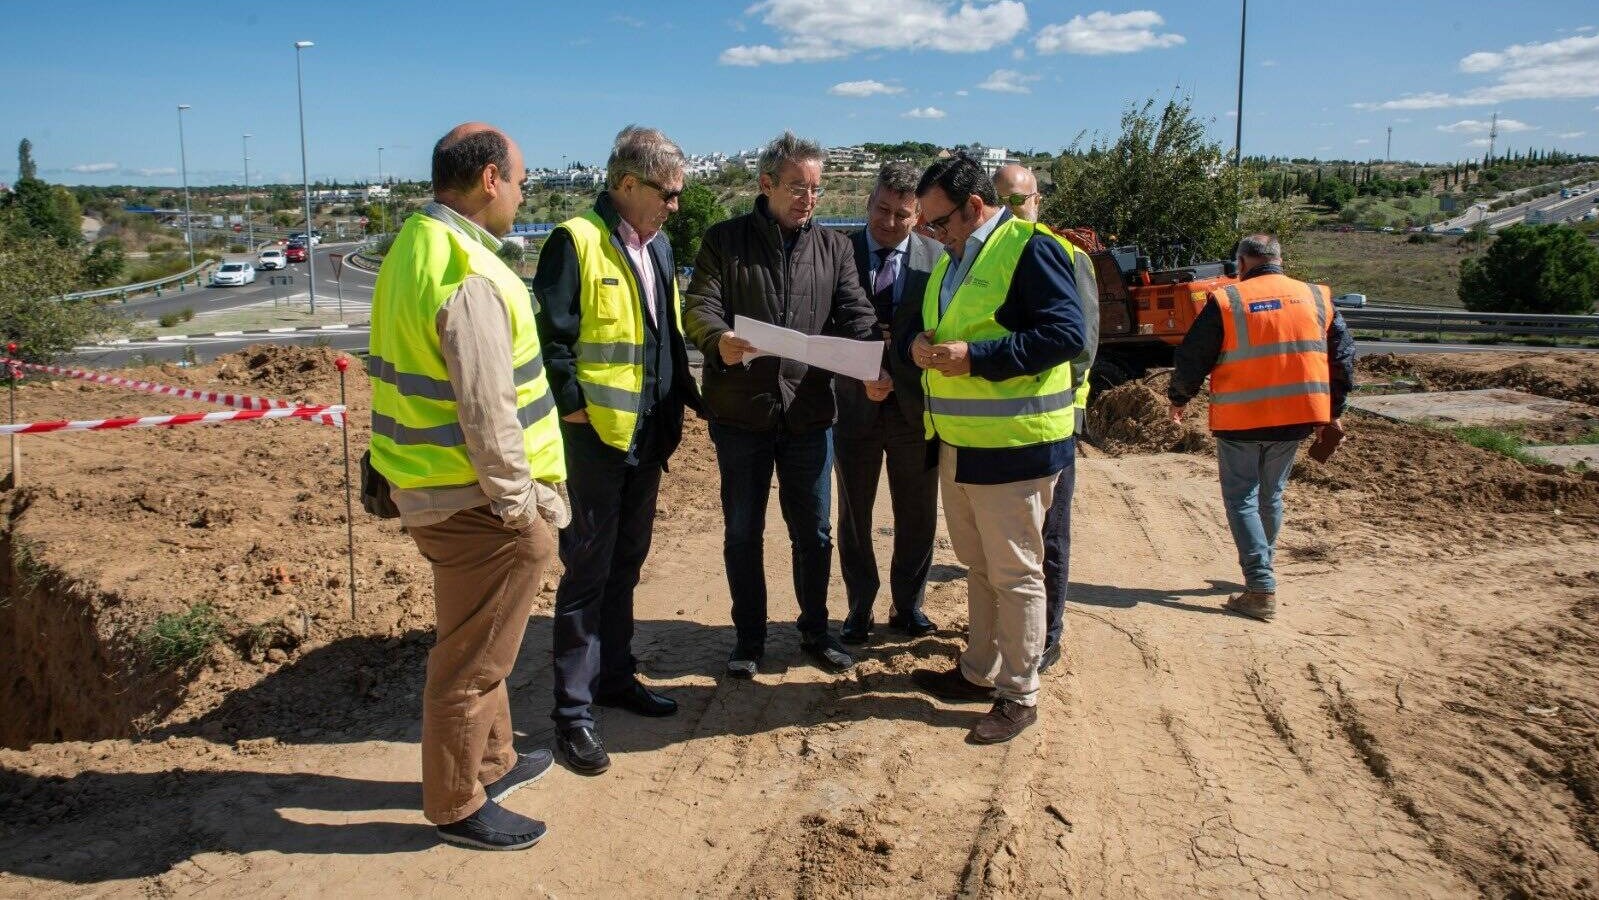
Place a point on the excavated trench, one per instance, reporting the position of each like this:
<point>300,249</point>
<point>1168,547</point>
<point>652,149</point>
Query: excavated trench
<point>65,675</point>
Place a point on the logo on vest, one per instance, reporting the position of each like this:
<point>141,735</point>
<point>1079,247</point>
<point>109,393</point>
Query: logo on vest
<point>1265,305</point>
<point>610,281</point>
<point>977,282</point>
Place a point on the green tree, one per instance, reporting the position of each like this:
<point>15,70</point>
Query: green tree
<point>1533,269</point>
<point>102,267</point>
<point>1162,185</point>
<point>697,210</point>
<point>34,270</point>
<point>25,166</point>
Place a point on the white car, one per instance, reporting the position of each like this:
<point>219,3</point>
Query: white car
<point>1350,301</point>
<point>272,259</point>
<point>234,273</point>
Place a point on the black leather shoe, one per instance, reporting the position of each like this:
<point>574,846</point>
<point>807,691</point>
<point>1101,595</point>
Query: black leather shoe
<point>951,685</point>
<point>857,628</point>
<point>640,700</point>
<point>914,623</point>
<point>827,652</point>
<point>1051,657</point>
<point>582,750</point>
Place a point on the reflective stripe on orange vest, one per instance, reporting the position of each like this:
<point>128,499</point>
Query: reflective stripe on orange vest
<point>1273,368</point>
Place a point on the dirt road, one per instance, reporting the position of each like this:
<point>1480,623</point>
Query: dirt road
<point>1420,721</point>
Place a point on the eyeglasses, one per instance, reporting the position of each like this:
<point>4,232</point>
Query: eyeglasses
<point>938,224</point>
<point>666,195</point>
<point>800,191</point>
<point>1017,199</point>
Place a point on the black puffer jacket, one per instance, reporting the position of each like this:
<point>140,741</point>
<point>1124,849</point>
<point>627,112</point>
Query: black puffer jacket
<point>742,270</point>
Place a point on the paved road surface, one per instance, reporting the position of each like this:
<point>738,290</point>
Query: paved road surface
<point>357,286</point>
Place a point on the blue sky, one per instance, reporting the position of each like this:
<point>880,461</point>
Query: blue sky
<point>95,85</point>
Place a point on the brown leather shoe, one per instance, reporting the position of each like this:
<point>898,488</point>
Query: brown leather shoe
<point>1006,720</point>
<point>951,685</point>
<point>1260,605</point>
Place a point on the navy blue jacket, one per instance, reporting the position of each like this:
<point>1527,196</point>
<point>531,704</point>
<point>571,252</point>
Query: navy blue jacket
<point>1045,320</point>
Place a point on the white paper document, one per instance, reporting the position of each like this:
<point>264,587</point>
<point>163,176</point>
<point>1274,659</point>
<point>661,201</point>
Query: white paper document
<point>857,359</point>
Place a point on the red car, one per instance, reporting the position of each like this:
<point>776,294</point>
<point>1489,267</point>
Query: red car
<point>294,253</point>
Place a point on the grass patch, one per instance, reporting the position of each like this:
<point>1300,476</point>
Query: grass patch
<point>177,639</point>
<point>1498,440</point>
<point>1388,268</point>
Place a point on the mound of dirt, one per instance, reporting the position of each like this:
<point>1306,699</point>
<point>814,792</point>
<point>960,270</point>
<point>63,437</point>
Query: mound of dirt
<point>1572,376</point>
<point>1135,418</point>
<point>282,370</point>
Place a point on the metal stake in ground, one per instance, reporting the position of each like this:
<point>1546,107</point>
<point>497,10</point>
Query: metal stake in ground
<point>343,363</point>
<point>13,372</point>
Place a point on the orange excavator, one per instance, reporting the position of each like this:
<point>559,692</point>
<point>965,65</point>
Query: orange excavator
<point>1143,312</point>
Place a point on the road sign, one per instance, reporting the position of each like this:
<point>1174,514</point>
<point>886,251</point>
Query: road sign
<point>338,263</point>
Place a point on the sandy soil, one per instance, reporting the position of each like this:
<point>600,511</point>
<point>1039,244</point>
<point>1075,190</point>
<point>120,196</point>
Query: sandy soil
<point>1421,720</point>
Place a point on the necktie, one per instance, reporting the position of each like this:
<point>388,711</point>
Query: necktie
<point>885,270</point>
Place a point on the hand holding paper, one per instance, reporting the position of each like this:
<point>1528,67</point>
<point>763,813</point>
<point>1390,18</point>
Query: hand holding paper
<point>857,359</point>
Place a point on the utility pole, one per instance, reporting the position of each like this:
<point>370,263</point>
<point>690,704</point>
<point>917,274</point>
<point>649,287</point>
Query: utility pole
<point>310,226</point>
<point>1238,129</point>
<point>1493,135</point>
<point>1389,155</point>
<point>249,223</point>
<point>183,156</point>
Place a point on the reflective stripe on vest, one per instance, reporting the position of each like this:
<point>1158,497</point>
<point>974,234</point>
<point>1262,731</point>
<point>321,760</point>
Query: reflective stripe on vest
<point>1088,296</point>
<point>417,440</point>
<point>1272,369</point>
<point>969,411</point>
<point>611,330</point>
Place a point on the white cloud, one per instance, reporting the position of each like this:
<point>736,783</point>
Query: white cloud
<point>863,88</point>
<point>1101,33</point>
<point>1477,142</point>
<point>1359,141</point>
<point>1570,135</point>
<point>1017,53</point>
<point>1584,29</point>
<point>924,112</point>
<point>90,168</point>
<point>1482,126</point>
<point>1402,120</point>
<point>1554,70</point>
<point>812,31</point>
<point>1268,64</point>
<point>1008,81</point>
<point>164,170</point>
<point>629,21</point>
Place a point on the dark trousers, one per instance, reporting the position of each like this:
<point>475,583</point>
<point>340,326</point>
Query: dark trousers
<point>602,550</point>
<point>1058,550</point>
<point>913,491</point>
<point>802,462</point>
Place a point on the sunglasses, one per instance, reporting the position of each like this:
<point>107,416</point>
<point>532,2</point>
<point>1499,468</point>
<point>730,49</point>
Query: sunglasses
<point>666,195</point>
<point>938,224</point>
<point>1017,199</point>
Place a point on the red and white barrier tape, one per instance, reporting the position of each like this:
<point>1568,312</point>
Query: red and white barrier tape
<point>327,415</point>
<point>237,401</point>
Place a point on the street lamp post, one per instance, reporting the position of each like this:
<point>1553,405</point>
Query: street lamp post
<point>385,196</point>
<point>183,157</point>
<point>1238,127</point>
<point>305,178</point>
<point>249,223</point>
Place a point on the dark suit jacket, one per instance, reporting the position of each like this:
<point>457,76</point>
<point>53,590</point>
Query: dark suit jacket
<point>855,411</point>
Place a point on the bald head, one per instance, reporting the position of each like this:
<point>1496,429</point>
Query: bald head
<point>478,172</point>
<point>1014,181</point>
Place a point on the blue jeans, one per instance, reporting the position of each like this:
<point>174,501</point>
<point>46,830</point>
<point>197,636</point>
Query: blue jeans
<point>1254,475</point>
<point>804,465</point>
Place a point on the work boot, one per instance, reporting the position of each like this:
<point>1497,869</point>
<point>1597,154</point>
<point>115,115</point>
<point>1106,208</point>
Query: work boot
<point>1260,605</point>
<point>1006,720</point>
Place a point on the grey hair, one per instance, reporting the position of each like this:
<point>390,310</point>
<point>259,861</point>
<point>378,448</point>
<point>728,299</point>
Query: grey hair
<point>790,148</point>
<point>644,153</point>
<point>899,176</point>
<point>1261,246</point>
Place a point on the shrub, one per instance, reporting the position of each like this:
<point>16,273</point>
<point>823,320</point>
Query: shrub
<point>187,313</point>
<point>168,320</point>
<point>177,639</point>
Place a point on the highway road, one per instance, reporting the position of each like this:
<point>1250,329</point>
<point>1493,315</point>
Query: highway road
<point>357,289</point>
<point>1551,205</point>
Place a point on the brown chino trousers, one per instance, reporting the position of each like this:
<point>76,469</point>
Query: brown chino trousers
<point>485,577</point>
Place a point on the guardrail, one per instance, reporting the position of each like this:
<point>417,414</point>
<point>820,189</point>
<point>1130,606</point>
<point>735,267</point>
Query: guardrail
<point>1454,321</point>
<point>123,290</point>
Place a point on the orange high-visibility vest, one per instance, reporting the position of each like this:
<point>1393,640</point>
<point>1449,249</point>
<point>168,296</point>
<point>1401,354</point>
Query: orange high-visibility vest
<point>1273,365</point>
